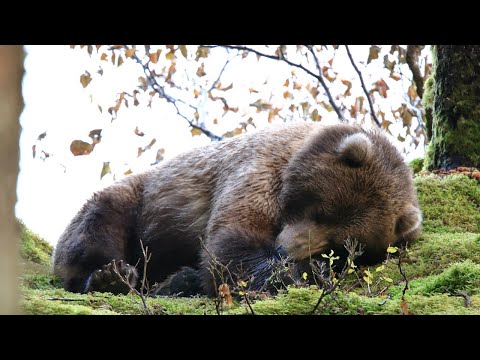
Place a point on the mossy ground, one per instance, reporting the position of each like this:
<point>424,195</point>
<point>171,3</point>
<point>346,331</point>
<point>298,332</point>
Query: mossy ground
<point>442,263</point>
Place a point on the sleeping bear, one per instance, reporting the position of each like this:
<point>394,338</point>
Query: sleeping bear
<point>286,192</point>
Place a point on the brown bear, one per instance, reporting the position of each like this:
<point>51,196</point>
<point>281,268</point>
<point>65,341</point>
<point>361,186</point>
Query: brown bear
<point>295,190</point>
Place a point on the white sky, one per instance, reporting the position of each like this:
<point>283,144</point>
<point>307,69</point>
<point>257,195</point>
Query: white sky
<point>48,195</point>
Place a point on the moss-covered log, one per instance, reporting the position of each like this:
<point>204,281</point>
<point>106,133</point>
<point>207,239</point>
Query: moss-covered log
<point>455,89</point>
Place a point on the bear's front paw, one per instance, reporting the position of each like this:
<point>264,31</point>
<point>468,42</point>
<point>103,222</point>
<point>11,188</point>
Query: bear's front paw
<point>107,279</point>
<point>186,282</point>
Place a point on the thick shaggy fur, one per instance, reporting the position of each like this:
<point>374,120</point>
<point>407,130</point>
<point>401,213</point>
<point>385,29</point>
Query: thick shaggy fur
<point>301,189</point>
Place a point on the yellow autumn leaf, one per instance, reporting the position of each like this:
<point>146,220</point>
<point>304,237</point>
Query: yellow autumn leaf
<point>380,268</point>
<point>105,169</point>
<point>196,132</point>
<point>325,256</point>
<point>331,253</point>
<point>368,273</point>
<point>392,249</point>
<point>387,279</point>
<point>242,283</point>
<point>241,293</point>
<point>304,276</point>
<point>183,50</point>
<point>367,280</point>
<point>170,55</point>
<point>350,271</point>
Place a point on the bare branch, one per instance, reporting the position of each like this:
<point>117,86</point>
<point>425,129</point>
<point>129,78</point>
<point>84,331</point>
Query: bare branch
<point>372,111</point>
<point>160,90</point>
<point>413,51</point>
<point>318,76</point>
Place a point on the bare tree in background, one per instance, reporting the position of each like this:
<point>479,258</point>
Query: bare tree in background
<point>11,104</point>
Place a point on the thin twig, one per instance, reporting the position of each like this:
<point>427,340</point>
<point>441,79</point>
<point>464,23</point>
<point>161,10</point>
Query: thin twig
<point>145,288</point>
<point>327,91</point>
<point>64,299</point>
<point>318,76</point>
<point>245,296</point>
<point>402,272</point>
<point>219,76</point>
<point>372,111</point>
<point>353,253</point>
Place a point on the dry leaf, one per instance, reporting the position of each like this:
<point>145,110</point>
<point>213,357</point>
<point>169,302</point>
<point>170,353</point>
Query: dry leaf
<point>85,79</point>
<point>79,147</point>
<point>373,53</point>
<point>225,294</point>
<point>201,70</point>
<point>130,52</point>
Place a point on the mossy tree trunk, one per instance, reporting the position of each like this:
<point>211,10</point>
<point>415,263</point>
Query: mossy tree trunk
<point>11,104</point>
<point>455,137</point>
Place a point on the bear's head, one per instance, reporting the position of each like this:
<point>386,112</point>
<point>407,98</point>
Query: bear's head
<point>347,183</point>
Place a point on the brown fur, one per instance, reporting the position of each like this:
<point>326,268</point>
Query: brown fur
<point>302,188</point>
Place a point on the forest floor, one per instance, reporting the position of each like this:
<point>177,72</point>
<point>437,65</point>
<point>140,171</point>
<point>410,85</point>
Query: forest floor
<point>442,269</point>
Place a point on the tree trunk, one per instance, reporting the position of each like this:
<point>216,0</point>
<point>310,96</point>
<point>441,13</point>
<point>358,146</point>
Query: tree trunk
<point>11,104</point>
<point>456,107</point>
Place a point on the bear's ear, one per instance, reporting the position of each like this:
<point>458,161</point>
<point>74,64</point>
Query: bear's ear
<point>409,221</point>
<point>355,149</point>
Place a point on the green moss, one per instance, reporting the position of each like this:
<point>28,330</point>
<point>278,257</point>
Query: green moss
<point>427,99</point>
<point>449,204</point>
<point>39,280</point>
<point>416,165</point>
<point>33,248</point>
<point>302,301</point>
<point>460,276</point>
<point>49,301</point>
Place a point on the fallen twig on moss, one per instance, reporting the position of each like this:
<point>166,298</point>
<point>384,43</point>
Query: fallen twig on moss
<point>463,294</point>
